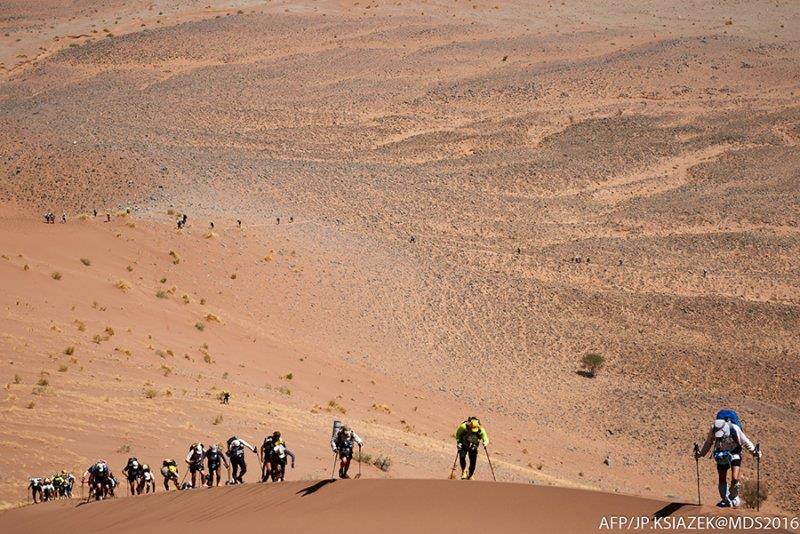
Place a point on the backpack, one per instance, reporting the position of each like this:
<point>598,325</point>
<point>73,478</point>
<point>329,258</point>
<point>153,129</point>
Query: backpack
<point>730,416</point>
<point>168,463</point>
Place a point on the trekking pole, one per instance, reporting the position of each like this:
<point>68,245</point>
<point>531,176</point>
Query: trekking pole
<point>359,462</point>
<point>697,468</point>
<point>453,470</point>
<point>335,457</point>
<point>488,458</point>
<point>758,477</point>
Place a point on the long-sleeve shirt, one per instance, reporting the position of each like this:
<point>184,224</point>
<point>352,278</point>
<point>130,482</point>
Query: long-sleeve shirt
<point>463,435</point>
<point>732,441</point>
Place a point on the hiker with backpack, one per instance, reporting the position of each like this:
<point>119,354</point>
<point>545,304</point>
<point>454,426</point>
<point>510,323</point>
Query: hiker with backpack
<point>277,456</point>
<point>236,447</point>
<point>195,458</point>
<point>169,470</point>
<point>35,485</point>
<point>342,443</point>
<point>470,435</point>
<point>728,439</point>
<point>132,472</point>
<point>147,482</point>
<point>215,457</point>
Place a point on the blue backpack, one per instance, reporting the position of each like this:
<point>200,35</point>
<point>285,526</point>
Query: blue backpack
<point>730,416</point>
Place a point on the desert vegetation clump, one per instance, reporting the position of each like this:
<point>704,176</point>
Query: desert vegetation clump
<point>334,406</point>
<point>200,325</point>
<point>751,494</point>
<point>150,393</point>
<point>176,259</point>
<point>592,362</point>
<point>17,379</point>
<point>86,261</point>
<point>123,285</point>
<point>162,294</point>
<point>44,379</point>
<point>216,420</point>
<point>69,351</point>
<point>55,275</point>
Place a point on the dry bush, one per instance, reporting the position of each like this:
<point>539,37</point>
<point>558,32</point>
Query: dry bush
<point>150,393</point>
<point>69,351</point>
<point>86,261</point>
<point>202,301</point>
<point>30,405</point>
<point>17,379</point>
<point>166,370</point>
<point>382,462</point>
<point>749,493</point>
<point>129,268</point>
<point>162,294</point>
<point>44,379</point>
<point>63,368</point>
<point>217,420</point>
<point>123,285</point>
<point>55,275</point>
<point>233,276</point>
<point>26,267</point>
<point>200,325</point>
<point>286,391</point>
<point>186,299</point>
<point>381,408</point>
<point>125,448</point>
<point>163,280</point>
<point>109,331</point>
<point>288,376</point>
<point>211,318</point>
<point>592,362</point>
<point>176,259</point>
<point>334,406</point>
<point>207,358</point>
<point>80,325</point>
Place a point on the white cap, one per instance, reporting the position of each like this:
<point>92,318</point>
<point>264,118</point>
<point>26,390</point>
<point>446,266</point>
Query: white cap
<point>720,428</point>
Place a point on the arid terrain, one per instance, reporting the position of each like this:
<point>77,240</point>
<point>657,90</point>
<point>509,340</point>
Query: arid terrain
<point>444,206</point>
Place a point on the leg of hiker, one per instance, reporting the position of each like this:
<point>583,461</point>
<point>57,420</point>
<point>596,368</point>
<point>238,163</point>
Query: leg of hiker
<point>722,472</point>
<point>473,460</point>
<point>733,492</point>
<point>462,461</point>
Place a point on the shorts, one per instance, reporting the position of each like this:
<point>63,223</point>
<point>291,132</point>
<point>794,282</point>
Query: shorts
<point>734,463</point>
<point>194,468</point>
<point>346,454</point>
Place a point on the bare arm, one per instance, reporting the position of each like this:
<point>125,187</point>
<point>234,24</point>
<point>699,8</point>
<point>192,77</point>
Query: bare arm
<point>707,445</point>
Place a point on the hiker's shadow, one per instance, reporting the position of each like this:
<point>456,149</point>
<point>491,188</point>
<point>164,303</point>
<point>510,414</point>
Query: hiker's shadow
<point>315,487</point>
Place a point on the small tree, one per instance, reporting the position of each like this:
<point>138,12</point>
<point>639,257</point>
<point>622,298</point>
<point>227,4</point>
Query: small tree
<point>592,362</point>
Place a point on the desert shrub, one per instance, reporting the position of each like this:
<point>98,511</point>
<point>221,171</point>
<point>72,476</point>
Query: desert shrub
<point>288,376</point>
<point>86,261</point>
<point>207,358</point>
<point>150,393</point>
<point>212,318</point>
<point>176,259</point>
<point>225,375</point>
<point>80,325</point>
<point>592,362</point>
<point>163,280</point>
<point>56,275</point>
<point>17,379</point>
<point>166,370</point>
<point>69,351</point>
<point>749,493</point>
<point>233,276</point>
<point>286,391</point>
<point>217,420</point>
<point>125,448</point>
<point>109,331</point>
<point>200,325</point>
<point>334,406</point>
<point>162,294</point>
<point>63,368</point>
<point>129,268</point>
<point>186,299</point>
<point>382,462</point>
<point>44,379</point>
<point>381,408</point>
<point>30,405</point>
<point>123,285</point>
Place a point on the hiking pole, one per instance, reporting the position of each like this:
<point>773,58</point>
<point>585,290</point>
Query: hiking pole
<point>453,470</point>
<point>335,457</point>
<point>758,477</point>
<point>697,468</point>
<point>488,458</point>
<point>359,463</point>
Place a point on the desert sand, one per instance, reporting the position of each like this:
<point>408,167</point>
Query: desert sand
<point>444,206</point>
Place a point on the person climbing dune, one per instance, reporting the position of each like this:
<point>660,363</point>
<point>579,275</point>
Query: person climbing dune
<point>215,459</point>
<point>236,447</point>
<point>728,439</point>
<point>169,470</point>
<point>132,472</point>
<point>470,435</point>
<point>342,443</point>
<point>195,458</point>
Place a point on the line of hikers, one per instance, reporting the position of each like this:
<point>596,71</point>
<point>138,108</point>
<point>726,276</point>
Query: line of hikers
<point>58,486</point>
<point>725,437</point>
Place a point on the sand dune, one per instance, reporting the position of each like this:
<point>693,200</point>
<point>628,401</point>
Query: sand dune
<point>366,506</point>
